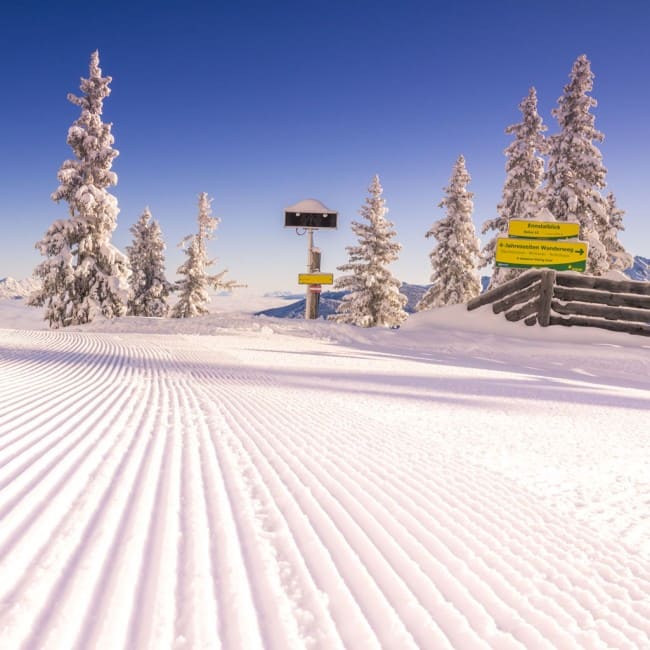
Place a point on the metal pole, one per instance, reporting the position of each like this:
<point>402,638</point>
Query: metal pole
<point>310,298</point>
<point>315,268</point>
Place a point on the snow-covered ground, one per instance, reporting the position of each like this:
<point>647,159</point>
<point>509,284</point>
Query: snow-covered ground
<point>243,482</point>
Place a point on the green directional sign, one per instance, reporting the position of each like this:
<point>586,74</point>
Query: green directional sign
<point>543,229</point>
<point>528,253</point>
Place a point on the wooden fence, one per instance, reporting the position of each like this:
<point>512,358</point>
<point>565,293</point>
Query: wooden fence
<point>549,297</point>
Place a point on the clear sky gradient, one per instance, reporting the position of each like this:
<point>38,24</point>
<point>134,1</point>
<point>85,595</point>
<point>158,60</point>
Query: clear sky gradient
<point>262,104</point>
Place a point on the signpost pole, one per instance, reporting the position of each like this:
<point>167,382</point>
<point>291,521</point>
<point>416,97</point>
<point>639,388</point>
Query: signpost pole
<point>313,265</point>
<point>307,216</point>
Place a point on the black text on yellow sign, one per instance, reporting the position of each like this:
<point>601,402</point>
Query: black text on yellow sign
<point>315,278</point>
<point>543,229</point>
<point>529,253</point>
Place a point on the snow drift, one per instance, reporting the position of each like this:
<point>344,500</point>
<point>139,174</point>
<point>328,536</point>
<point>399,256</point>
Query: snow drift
<point>247,482</point>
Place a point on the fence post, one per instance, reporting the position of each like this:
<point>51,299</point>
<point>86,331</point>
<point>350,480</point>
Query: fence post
<point>545,297</point>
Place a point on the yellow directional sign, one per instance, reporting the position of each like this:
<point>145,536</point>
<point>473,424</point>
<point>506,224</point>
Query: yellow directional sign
<point>525,253</point>
<point>543,229</point>
<point>315,278</point>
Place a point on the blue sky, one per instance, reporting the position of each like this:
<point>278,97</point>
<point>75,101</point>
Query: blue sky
<point>262,104</point>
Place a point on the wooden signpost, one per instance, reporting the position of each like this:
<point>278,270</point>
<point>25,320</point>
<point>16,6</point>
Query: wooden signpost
<point>315,278</point>
<point>542,244</point>
<point>307,216</point>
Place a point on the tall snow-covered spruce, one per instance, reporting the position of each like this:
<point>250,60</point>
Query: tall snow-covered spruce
<point>374,299</point>
<point>84,275</point>
<point>454,259</point>
<point>523,197</point>
<point>149,286</point>
<point>193,287</point>
<point>619,258</point>
<point>575,174</point>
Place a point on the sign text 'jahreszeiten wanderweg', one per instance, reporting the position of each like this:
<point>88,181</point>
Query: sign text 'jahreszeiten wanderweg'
<point>526,253</point>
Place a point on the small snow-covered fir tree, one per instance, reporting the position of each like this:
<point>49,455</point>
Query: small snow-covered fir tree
<point>454,259</point>
<point>374,298</point>
<point>619,258</point>
<point>193,287</point>
<point>575,173</point>
<point>149,286</point>
<point>523,197</point>
<point>84,275</point>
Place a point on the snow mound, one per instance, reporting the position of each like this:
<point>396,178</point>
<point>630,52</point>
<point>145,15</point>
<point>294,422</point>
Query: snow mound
<point>460,482</point>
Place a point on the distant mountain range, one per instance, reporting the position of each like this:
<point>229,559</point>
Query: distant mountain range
<point>330,300</point>
<point>640,270</point>
<point>17,289</point>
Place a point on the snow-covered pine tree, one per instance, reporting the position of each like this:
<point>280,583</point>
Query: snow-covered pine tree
<point>84,274</point>
<point>523,197</point>
<point>149,286</point>
<point>575,173</point>
<point>619,258</point>
<point>374,298</point>
<point>193,288</point>
<point>454,259</point>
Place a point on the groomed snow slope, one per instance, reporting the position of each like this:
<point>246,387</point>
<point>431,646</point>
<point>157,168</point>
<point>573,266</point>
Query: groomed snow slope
<point>244,483</point>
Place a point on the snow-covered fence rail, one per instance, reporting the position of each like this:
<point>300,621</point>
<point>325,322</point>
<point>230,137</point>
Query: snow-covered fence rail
<point>619,305</point>
<point>550,298</point>
<point>517,299</point>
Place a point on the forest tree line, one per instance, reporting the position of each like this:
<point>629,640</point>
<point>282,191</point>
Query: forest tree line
<point>84,275</point>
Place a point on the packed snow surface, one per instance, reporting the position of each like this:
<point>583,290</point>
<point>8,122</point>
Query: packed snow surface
<point>246,482</point>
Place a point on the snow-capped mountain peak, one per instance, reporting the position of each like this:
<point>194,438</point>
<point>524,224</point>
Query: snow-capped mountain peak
<point>11,288</point>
